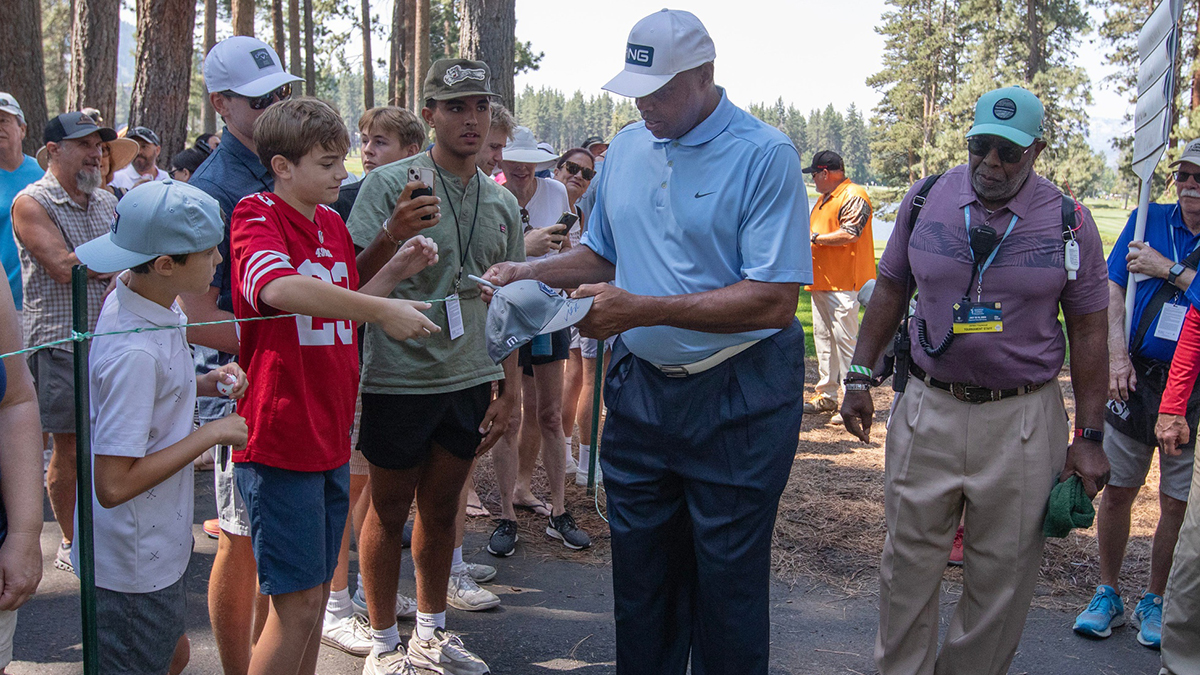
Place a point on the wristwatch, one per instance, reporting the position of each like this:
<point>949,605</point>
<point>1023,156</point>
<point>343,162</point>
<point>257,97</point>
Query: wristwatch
<point>813,238</point>
<point>1174,273</point>
<point>1090,434</point>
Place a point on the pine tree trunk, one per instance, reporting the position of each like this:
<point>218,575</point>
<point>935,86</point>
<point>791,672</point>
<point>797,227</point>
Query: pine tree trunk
<point>243,17</point>
<point>21,67</point>
<point>1195,61</point>
<point>488,35</point>
<point>295,37</point>
<point>414,75</point>
<point>1036,49</point>
<point>420,62</point>
<point>368,66</point>
<point>208,116</point>
<point>397,73</point>
<point>310,66</point>
<point>162,80</point>
<point>278,32</point>
<point>95,29</point>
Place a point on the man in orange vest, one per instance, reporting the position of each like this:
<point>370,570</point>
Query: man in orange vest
<point>843,252</point>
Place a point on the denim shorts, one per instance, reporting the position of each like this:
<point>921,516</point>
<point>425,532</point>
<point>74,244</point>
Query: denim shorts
<point>296,523</point>
<point>138,631</point>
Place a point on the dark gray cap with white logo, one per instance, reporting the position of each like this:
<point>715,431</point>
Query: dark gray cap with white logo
<point>457,78</point>
<point>526,308</point>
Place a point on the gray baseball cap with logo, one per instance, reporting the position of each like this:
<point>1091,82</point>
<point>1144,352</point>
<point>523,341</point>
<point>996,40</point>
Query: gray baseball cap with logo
<point>153,219</point>
<point>457,78</point>
<point>526,308</point>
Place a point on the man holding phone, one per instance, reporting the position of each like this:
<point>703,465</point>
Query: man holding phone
<point>543,206</point>
<point>430,407</point>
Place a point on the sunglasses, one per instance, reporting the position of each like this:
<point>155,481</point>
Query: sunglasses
<point>574,169</point>
<point>171,172</point>
<point>1009,152</point>
<point>1183,176</point>
<point>524,217</point>
<point>260,102</point>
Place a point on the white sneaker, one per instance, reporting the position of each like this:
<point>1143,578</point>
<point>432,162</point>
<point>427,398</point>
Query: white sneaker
<point>351,634</point>
<point>572,465</point>
<point>444,654</point>
<point>463,593</point>
<point>394,662</point>
<point>406,607</point>
<point>581,477</point>
<point>62,559</point>
<point>481,573</point>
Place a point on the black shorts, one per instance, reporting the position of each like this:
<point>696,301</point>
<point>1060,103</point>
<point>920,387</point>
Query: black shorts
<point>398,430</point>
<point>560,350</point>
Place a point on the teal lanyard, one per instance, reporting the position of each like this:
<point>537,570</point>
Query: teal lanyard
<point>987,263</point>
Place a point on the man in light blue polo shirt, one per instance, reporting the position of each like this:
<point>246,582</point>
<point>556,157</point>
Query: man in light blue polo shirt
<point>16,171</point>
<point>702,220</point>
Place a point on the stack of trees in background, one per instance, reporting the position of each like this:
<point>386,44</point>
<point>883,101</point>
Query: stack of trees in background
<point>941,55</point>
<point>823,130</point>
<point>60,55</point>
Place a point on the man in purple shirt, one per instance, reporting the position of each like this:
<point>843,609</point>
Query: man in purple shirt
<point>981,429</point>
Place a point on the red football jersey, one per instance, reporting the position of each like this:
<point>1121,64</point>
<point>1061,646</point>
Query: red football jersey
<point>303,371</point>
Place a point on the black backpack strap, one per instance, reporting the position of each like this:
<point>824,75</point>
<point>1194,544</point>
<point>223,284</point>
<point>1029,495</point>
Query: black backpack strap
<point>1160,297</point>
<point>1068,218</point>
<point>919,200</point>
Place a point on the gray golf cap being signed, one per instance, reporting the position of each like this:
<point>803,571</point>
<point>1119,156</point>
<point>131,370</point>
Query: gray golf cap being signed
<point>526,308</point>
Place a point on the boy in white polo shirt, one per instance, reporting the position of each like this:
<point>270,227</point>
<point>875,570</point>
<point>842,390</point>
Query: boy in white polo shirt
<point>143,395</point>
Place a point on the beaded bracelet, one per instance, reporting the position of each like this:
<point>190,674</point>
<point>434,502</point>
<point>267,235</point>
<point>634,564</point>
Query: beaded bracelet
<point>396,242</point>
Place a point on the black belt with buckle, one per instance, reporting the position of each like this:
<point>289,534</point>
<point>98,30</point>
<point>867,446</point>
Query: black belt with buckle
<point>970,393</point>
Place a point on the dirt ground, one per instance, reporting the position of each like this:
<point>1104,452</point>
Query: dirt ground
<point>831,527</point>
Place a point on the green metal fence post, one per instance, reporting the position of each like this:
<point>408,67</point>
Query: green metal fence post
<point>597,396</point>
<point>84,542</point>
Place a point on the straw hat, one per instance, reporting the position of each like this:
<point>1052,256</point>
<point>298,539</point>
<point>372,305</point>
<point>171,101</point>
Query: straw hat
<point>523,148</point>
<point>121,153</point>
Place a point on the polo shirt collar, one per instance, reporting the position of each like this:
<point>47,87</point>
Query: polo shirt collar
<point>231,144</point>
<point>150,311</point>
<point>1018,205</point>
<point>708,128</point>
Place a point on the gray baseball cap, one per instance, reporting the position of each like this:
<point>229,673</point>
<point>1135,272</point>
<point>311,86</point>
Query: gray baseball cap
<point>9,105</point>
<point>526,308</point>
<point>158,218</point>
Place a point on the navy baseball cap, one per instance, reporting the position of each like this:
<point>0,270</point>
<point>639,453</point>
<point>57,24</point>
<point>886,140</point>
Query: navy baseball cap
<point>74,125</point>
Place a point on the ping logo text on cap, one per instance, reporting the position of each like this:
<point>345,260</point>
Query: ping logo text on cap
<point>1004,109</point>
<point>639,55</point>
<point>262,58</point>
<point>456,74</point>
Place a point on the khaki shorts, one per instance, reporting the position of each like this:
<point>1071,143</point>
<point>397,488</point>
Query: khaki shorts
<point>54,377</point>
<point>1129,462</point>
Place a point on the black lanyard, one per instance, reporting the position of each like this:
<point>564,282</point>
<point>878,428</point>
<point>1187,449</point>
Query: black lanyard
<point>463,250</point>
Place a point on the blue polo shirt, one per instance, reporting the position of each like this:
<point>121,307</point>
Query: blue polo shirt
<point>231,172</point>
<point>723,203</point>
<point>12,182</point>
<point>1165,233</point>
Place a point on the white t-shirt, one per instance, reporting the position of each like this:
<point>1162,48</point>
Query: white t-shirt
<point>126,178</point>
<point>546,205</point>
<point>143,394</point>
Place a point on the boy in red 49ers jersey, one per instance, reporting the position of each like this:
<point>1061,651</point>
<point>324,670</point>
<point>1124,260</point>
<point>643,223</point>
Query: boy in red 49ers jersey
<point>291,254</point>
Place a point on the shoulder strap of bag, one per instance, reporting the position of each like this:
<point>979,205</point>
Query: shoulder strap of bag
<point>1160,297</point>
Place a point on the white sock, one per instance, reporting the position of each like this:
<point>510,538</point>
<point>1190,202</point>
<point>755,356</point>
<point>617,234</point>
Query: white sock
<point>585,456</point>
<point>384,641</point>
<point>567,440</point>
<point>456,562</point>
<point>339,605</point>
<point>361,589</point>
<point>428,623</point>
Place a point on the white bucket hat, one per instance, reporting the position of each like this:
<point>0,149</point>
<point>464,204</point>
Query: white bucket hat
<point>523,149</point>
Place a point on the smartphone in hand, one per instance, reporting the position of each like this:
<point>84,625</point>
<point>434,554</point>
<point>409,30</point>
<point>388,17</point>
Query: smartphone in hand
<point>422,174</point>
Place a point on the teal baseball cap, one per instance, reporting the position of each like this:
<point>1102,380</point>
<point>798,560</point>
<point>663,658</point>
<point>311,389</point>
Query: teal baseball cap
<point>154,219</point>
<point>1014,113</point>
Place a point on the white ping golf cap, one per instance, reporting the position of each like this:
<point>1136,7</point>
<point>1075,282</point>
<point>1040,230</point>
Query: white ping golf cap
<point>246,66</point>
<point>660,47</point>
<point>1191,154</point>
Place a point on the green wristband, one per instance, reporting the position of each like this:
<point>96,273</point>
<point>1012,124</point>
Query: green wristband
<point>861,370</point>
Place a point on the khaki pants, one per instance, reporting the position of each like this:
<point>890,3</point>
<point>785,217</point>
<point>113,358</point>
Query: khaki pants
<point>835,334</point>
<point>999,460</point>
<point>1181,609</point>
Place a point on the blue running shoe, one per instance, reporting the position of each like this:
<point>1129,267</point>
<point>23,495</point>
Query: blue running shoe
<point>1104,613</point>
<point>1148,618</point>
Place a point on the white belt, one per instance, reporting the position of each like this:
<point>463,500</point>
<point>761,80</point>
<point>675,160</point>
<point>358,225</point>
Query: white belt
<point>704,364</point>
